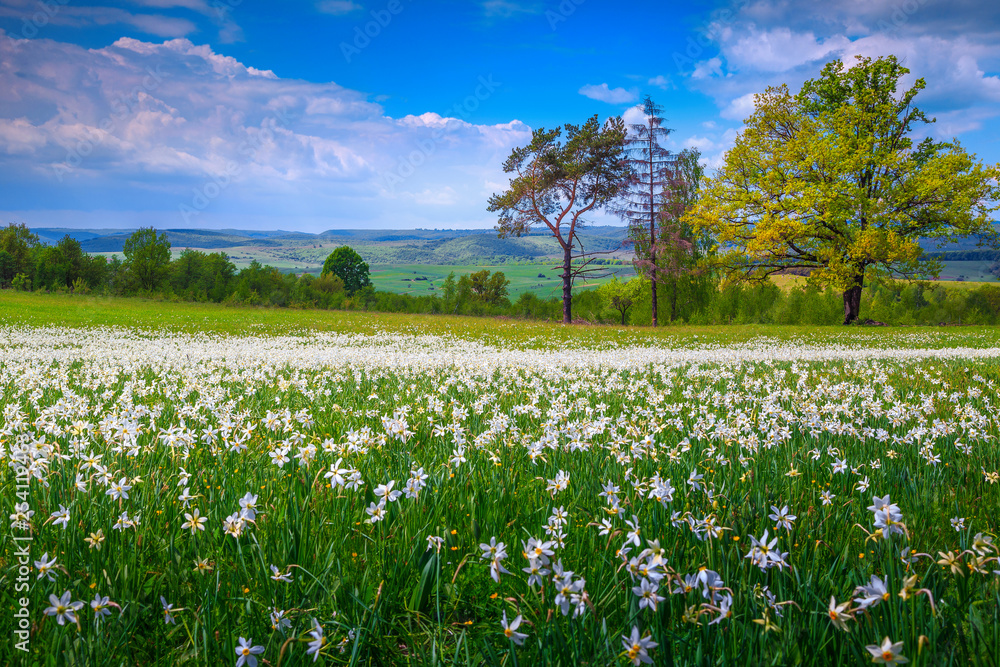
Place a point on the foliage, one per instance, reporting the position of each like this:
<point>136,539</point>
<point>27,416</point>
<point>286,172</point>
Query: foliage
<point>830,180</point>
<point>491,289</point>
<point>17,244</point>
<point>347,265</point>
<point>557,184</point>
<point>621,296</point>
<point>147,258</point>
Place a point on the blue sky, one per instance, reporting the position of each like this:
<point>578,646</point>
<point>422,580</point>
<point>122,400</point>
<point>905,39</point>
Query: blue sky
<point>399,113</point>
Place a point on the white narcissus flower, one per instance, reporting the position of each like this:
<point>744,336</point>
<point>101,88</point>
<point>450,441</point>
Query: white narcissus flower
<point>61,516</point>
<point>63,608</point>
<point>167,611</point>
<point>46,567</point>
<point>195,521</point>
<point>637,648</point>
<point>247,653</point>
<point>887,653</point>
<point>839,613</point>
<point>119,490</point>
<point>510,630</point>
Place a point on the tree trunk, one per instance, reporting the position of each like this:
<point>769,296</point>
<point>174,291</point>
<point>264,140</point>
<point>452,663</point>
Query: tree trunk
<point>852,300</point>
<point>673,300</point>
<point>652,261</point>
<point>567,277</point>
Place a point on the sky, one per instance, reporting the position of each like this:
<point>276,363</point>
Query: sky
<point>358,114</point>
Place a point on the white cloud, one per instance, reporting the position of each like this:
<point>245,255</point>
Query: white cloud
<point>954,45</point>
<point>634,115</point>
<point>201,6</point>
<point>740,108</point>
<point>661,81</point>
<point>779,49</point>
<point>602,93</point>
<point>70,15</point>
<point>441,197</point>
<point>508,8</point>
<point>707,68</point>
<point>84,17</point>
<point>712,146</point>
<point>338,7</point>
<point>158,123</point>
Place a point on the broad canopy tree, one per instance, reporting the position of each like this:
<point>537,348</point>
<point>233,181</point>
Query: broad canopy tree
<point>347,264</point>
<point>557,184</point>
<point>147,258</point>
<point>831,180</point>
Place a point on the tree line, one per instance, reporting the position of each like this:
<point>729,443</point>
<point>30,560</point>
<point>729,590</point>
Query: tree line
<point>828,183</point>
<point>695,298</point>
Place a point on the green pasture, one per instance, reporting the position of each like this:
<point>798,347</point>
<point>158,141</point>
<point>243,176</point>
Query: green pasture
<point>540,278</point>
<point>152,315</point>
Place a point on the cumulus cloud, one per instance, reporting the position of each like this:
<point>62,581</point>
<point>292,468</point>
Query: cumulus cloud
<point>175,125</point>
<point>954,46</point>
<point>602,93</point>
<point>779,49</point>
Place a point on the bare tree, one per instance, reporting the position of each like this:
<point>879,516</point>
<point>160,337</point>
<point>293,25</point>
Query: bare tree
<point>679,247</point>
<point>653,175</point>
<point>557,184</point>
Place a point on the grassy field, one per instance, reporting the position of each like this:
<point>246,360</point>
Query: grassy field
<point>542,279</point>
<point>39,310</point>
<point>348,488</point>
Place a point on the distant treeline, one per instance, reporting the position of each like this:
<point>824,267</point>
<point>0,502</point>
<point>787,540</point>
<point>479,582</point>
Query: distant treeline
<point>148,270</point>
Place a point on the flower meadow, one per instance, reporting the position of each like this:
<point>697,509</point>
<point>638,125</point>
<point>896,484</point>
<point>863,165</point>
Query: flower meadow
<point>395,498</point>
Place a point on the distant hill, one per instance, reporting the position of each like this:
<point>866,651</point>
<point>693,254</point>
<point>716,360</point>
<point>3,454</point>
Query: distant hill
<point>304,251</point>
<point>179,239</point>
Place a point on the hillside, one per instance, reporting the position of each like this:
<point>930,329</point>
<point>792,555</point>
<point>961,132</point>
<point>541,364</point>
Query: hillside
<point>299,251</point>
<point>386,249</point>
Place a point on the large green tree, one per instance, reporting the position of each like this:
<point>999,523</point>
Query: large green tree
<point>18,244</point>
<point>831,179</point>
<point>490,289</point>
<point>558,184</point>
<point>147,258</point>
<point>347,265</point>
